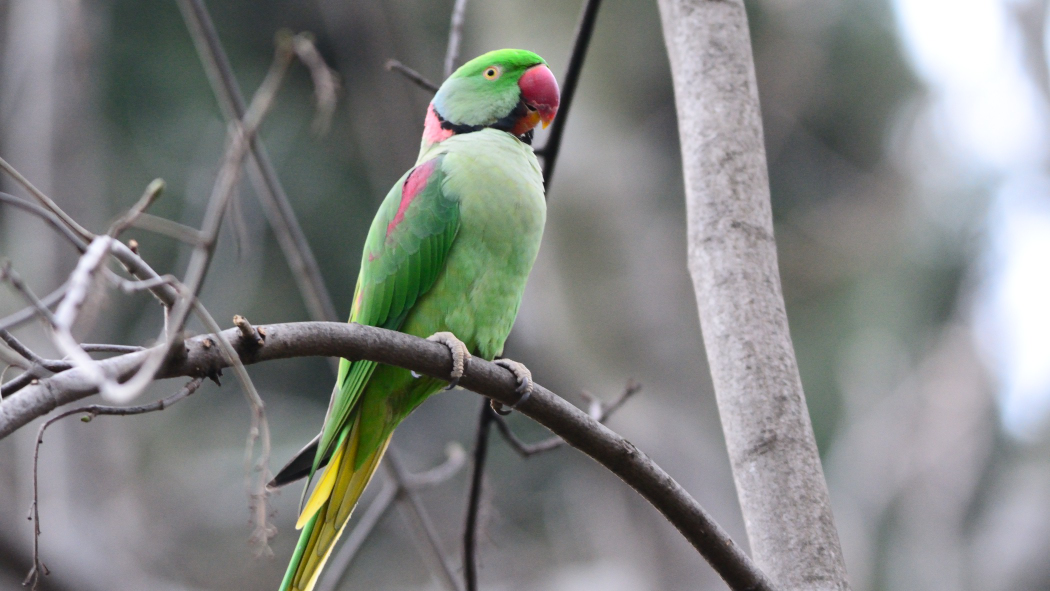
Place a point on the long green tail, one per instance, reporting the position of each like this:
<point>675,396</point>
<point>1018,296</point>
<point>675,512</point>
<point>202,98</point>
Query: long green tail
<point>328,510</point>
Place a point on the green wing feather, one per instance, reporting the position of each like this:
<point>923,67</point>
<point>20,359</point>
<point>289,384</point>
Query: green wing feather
<point>404,253</point>
<point>399,264</point>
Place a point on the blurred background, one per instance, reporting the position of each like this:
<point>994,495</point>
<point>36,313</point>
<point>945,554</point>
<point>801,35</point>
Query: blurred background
<point>908,143</point>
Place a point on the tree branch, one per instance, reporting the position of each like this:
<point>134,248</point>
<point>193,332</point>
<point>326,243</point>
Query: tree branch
<point>477,475</point>
<point>584,29</point>
<point>89,412</point>
<point>733,263</point>
<point>455,36</point>
<point>268,188</point>
<point>415,77</point>
<point>353,341</point>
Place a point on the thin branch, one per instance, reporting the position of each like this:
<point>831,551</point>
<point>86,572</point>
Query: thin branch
<point>598,410</point>
<point>248,332</point>
<point>456,458</point>
<point>427,536</point>
<point>46,215</point>
<point>354,342</point>
<point>268,188</point>
<point>108,348</point>
<point>258,431</point>
<point>169,228</point>
<point>477,474</point>
<point>89,412</point>
<point>7,273</point>
<point>152,192</point>
<point>325,82</point>
<point>415,77</point>
<point>81,281</point>
<point>455,36</point>
<point>226,182</point>
<point>18,347</point>
<point>584,29</point>
<point>23,380</point>
<point>46,202</point>
<point>28,313</point>
<point>80,237</point>
<point>339,564</point>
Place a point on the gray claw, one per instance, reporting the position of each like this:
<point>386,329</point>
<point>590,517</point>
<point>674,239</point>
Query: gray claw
<point>460,355</point>
<point>524,377</point>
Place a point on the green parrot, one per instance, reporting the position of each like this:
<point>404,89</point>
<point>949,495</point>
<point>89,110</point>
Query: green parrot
<point>447,256</point>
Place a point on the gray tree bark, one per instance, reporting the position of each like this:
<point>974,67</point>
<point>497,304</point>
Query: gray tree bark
<point>733,263</point>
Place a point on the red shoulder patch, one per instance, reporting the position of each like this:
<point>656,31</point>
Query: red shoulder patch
<point>415,183</point>
<point>432,130</point>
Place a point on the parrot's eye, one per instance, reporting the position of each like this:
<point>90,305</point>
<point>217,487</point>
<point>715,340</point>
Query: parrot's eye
<point>492,72</point>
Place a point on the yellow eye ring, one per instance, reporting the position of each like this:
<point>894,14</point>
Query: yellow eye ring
<point>492,72</point>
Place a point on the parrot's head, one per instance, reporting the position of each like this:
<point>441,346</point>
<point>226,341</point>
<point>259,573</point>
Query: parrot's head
<point>512,90</point>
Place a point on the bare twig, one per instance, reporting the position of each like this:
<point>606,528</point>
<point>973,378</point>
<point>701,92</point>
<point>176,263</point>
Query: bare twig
<point>248,332</point>
<point>38,367</point>
<point>353,341</point>
<point>11,276</point>
<point>46,215</point>
<point>427,536</point>
<point>28,313</point>
<point>89,412</point>
<point>414,76</point>
<point>20,382</point>
<point>18,347</point>
<point>584,29</point>
<point>526,450</point>
<point>325,80</point>
<point>240,135</point>
<point>46,202</point>
<point>169,228</point>
<point>152,192</point>
<point>455,36</point>
<point>455,460</point>
<point>271,194</point>
<point>108,348</point>
<point>598,411</point>
<point>339,564</point>
<point>80,284</point>
<point>80,237</point>
<point>477,475</point>
<point>258,431</point>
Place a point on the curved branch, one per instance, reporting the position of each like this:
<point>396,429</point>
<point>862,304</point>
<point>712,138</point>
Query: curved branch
<point>201,358</point>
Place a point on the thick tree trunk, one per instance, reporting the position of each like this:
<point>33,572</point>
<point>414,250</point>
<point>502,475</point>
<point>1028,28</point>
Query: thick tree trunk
<point>733,262</point>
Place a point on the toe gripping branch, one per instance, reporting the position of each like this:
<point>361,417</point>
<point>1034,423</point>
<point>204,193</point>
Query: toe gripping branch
<point>460,355</point>
<point>524,377</point>
<point>461,359</point>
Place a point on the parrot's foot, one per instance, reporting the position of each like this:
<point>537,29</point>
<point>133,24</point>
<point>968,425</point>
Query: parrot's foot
<point>460,355</point>
<point>524,388</point>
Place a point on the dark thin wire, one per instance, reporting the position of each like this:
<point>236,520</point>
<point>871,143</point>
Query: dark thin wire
<point>584,30</point>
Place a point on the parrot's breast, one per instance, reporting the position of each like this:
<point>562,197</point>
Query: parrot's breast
<point>502,212</point>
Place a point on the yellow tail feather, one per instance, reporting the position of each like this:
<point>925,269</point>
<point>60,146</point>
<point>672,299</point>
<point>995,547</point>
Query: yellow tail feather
<point>333,507</point>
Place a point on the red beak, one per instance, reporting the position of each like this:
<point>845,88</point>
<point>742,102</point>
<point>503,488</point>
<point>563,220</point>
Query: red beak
<point>539,91</point>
